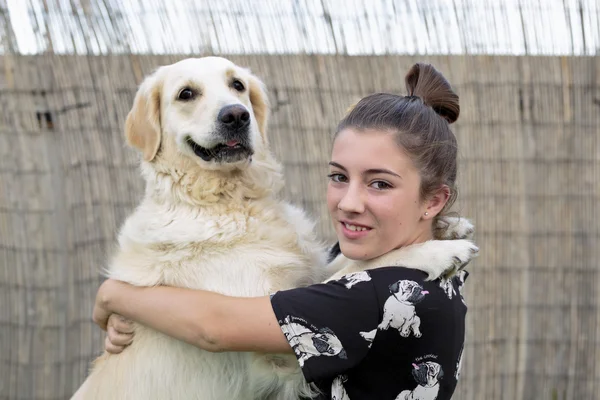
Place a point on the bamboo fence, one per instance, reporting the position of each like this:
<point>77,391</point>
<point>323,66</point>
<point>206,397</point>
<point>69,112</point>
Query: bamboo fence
<point>529,176</point>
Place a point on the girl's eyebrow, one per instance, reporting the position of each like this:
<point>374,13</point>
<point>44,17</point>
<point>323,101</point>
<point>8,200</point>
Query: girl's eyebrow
<point>371,171</point>
<point>381,171</point>
<point>334,164</point>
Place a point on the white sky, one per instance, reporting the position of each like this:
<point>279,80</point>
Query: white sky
<point>303,26</point>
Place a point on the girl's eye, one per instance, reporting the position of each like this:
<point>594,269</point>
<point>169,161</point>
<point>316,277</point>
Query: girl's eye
<point>338,178</point>
<point>380,185</point>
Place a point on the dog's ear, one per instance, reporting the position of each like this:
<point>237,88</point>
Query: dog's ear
<point>419,373</point>
<point>143,125</point>
<point>260,104</point>
<point>395,287</point>
<point>440,373</point>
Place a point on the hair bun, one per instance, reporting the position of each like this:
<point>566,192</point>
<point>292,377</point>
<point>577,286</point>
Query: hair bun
<point>427,83</point>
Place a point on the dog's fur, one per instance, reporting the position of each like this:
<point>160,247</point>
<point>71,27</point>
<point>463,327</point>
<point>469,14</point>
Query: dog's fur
<point>446,256</point>
<point>213,224</point>
<point>206,225</point>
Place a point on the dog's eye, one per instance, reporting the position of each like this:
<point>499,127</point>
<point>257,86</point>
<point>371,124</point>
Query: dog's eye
<point>238,85</point>
<point>186,94</point>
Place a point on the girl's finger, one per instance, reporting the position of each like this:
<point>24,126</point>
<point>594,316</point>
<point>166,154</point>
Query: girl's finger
<point>111,348</point>
<point>121,324</point>
<point>119,339</point>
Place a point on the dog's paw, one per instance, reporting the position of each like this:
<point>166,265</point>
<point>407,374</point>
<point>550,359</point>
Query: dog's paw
<point>418,334</point>
<point>449,256</point>
<point>404,334</point>
<point>453,228</point>
<point>465,252</point>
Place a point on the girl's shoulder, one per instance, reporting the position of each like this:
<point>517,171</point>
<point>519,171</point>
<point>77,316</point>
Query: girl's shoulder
<point>411,285</point>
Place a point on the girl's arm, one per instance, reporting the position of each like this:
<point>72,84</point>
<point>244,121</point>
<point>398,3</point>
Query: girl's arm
<point>208,320</point>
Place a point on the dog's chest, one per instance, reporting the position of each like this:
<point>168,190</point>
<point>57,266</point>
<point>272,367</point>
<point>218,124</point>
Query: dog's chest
<point>234,254</point>
<point>425,392</point>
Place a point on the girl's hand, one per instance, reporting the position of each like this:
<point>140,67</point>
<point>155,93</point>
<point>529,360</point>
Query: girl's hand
<point>101,308</point>
<point>119,330</point>
<point>119,335</point>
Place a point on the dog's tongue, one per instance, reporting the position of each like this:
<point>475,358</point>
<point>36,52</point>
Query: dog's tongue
<point>232,143</point>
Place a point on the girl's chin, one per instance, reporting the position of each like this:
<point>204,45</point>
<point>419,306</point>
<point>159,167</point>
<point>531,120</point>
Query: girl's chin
<point>358,252</point>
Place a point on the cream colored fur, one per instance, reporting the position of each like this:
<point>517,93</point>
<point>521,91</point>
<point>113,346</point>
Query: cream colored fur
<point>205,225</point>
<point>443,257</point>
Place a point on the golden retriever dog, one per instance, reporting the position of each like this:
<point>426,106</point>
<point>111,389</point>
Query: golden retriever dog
<point>211,218</point>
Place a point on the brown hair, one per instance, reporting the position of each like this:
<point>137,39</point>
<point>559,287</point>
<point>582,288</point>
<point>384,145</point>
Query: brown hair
<point>421,123</point>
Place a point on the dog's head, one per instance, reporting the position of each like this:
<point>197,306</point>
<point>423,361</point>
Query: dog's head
<point>428,373</point>
<point>408,291</point>
<point>208,110</point>
<point>328,344</point>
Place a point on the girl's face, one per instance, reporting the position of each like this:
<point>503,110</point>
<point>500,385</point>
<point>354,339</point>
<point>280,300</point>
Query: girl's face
<point>373,195</point>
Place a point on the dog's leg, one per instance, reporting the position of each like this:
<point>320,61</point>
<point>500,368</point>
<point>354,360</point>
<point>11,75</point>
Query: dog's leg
<point>405,331</point>
<point>404,395</point>
<point>415,326</point>
<point>338,267</point>
<point>451,228</point>
<point>405,327</point>
<point>387,320</point>
<point>435,257</point>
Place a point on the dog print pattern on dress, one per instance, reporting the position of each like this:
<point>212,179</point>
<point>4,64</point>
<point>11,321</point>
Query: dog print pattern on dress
<point>461,278</point>
<point>405,327</point>
<point>459,362</point>
<point>399,308</point>
<point>369,336</point>
<point>309,341</point>
<point>355,277</point>
<point>338,392</point>
<point>447,286</point>
<point>428,375</point>
<point>351,280</point>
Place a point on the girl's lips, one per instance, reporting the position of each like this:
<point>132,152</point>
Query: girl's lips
<point>353,235</point>
<point>354,223</point>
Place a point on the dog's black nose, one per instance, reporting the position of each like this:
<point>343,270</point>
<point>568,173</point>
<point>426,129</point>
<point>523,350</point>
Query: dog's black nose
<point>234,116</point>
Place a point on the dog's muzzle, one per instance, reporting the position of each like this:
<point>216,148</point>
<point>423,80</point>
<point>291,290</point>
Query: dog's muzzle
<point>233,130</point>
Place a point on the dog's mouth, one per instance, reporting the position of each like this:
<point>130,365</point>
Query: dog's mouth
<point>226,152</point>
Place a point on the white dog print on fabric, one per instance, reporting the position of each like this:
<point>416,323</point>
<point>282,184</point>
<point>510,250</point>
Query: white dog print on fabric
<point>308,341</point>
<point>427,374</point>
<point>369,336</point>
<point>338,392</point>
<point>459,363</point>
<point>399,308</point>
<point>461,277</point>
<point>356,277</point>
<point>447,287</point>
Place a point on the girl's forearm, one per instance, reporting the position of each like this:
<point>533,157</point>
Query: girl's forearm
<point>184,314</point>
<point>208,320</point>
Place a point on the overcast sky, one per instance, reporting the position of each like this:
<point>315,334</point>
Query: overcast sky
<point>302,26</point>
